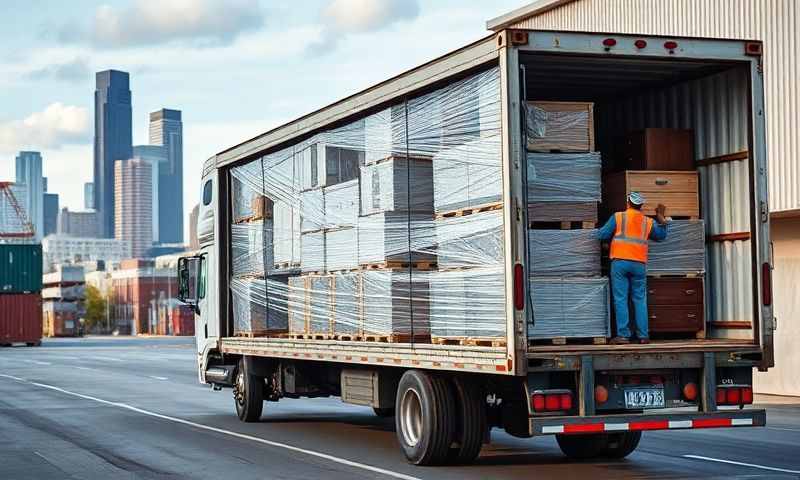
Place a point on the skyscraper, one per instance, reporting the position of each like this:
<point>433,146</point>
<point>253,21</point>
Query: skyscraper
<point>133,192</point>
<point>29,173</point>
<point>113,140</point>
<point>156,156</point>
<point>166,129</point>
<point>77,224</point>
<point>50,214</point>
<point>88,196</point>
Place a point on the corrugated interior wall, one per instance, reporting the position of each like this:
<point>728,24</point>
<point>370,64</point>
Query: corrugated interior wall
<point>775,22</point>
<point>716,109</point>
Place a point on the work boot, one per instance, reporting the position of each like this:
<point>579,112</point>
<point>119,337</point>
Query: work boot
<point>620,341</point>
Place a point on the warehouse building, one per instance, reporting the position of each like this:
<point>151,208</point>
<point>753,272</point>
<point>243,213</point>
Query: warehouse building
<point>776,24</point>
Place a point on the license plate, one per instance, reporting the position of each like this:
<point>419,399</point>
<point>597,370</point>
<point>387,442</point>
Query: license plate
<point>644,398</point>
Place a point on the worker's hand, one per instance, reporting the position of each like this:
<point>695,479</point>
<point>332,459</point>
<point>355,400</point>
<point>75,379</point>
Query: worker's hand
<point>661,213</point>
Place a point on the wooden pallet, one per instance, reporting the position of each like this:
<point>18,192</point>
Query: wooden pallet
<point>286,266</point>
<point>421,265</point>
<point>566,225</point>
<point>259,333</point>
<point>469,341</point>
<point>401,157</point>
<point>675,275</point>
<point>568,341</point>
<point>462,212</point>
<point>397,338</point>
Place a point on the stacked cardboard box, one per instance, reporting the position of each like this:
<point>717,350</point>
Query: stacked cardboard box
<point>260,305</point>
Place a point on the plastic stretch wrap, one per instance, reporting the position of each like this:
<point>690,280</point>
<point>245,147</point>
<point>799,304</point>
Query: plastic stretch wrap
<point>569,307</point>
<point>564,252</point>
<point>341,249</point>
<point>385,186</point>
<point>559,126</point>
<point>286,234</point>
<point>251,248</point>
<point>470,241</point>
<point>364,193</point>
<point>312,252</point>
<point>683,251</point>
<point>260,305</point>
<point>467,175</point>
<point>392,298</point>
<point>468,303</point>
<point>564,177</point>
<point>384,237</point>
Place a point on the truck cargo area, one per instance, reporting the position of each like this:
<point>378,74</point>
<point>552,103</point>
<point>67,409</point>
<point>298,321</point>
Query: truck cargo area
<point>711,101</point>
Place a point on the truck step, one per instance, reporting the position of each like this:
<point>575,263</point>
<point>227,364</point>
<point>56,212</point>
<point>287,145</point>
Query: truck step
<point>568,341</point>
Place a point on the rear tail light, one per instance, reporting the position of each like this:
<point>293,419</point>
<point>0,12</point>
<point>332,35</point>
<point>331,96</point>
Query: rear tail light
<point>551,401</point>
<point>752,48</point>
<point>766,283</point>
<point>600,394</point>
<point>690,391</point>
<point>519,287</point>
<point>734,395</point>
<point>640,44</point>
<point>609,42</point>
<point>670,45</point>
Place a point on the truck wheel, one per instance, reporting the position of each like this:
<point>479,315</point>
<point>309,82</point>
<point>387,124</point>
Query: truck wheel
<point>425,417</point>
<point>248,394</point>
<point>384,412</point>
<point>34,344</point>
<point>621,444</point>
<point>469,432</point>
<point>582,447</point>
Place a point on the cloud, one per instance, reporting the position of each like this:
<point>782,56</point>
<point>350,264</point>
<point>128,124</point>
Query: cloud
<point>148,22</point>
<point>356,16</point>
<point>76,70</point>
<point>55,126</point>
<point>343,17</point>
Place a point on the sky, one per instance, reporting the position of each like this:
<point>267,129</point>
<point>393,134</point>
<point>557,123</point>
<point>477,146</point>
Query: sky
<point>236,68</point>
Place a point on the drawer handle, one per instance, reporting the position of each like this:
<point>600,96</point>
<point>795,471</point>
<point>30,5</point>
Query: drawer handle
<point>691,315</point>
<point>690,292</point>
<point>661,181</point>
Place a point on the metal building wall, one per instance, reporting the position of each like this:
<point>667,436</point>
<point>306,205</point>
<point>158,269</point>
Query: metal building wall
<point>776,22</point>
<point>716,109</point>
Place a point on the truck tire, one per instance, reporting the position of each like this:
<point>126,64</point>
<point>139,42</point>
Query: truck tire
<point>384,412</point>
<point>620,445</point>
<point>582,447</point>
<point>248,394</point>
<point>424,417</point>
<point>469,431</point>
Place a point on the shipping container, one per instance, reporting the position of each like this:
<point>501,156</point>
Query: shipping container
<point>20,318</point>
<point>61,319</point>
<point>515,361</point>
<point>20,268</point>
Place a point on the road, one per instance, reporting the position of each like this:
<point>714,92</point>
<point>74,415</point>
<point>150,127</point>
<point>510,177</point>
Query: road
<point>112,408</point>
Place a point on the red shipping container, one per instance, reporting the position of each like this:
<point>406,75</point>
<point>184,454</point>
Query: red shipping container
<point>182,321</point>
<point>20,318</point>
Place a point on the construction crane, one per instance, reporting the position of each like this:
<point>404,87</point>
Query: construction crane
<point>14,222</point>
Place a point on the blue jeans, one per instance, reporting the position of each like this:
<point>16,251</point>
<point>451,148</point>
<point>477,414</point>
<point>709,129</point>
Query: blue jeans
<point>629,277</point>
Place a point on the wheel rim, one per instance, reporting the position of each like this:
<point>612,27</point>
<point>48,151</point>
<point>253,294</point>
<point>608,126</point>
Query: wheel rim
<point>411,417</point>
<point>238,389</point>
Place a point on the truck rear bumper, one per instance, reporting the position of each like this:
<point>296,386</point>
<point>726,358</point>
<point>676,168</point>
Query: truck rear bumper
<point>666,421</point>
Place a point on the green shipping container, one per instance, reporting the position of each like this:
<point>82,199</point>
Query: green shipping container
<point>20,268</point>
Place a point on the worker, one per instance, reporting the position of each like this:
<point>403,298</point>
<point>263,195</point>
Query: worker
<point>629,232</point>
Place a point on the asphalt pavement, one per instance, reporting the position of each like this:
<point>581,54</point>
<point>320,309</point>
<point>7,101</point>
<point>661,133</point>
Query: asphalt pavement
<point>116,407</point>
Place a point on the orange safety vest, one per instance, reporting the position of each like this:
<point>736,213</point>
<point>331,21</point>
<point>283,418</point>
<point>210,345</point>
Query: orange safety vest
<point>630,236</point>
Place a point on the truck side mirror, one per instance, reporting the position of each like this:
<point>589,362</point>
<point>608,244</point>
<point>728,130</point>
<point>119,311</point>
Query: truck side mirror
<point>188,280</point>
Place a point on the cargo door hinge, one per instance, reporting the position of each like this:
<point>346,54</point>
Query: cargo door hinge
<point>764,212</point>
<point>774,323</point>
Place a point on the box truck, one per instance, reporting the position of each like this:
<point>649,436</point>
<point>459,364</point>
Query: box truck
<point>387,249</point>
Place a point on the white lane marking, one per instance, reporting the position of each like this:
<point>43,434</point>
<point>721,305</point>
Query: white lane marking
<point>83,368</point>
<point>242,436</point>
<point>157,378</point>
<point>37,362</point>
<point>108,359</point>
<point>784,429</point>
<point>741,464</point>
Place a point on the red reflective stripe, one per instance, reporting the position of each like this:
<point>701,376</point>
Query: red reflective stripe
<point>711,422</point>
<point>649,425</point>
<point>584,427</point>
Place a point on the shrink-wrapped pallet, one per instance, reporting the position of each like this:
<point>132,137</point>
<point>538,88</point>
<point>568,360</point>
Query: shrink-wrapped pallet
<point>347,319</point>
<point>312,210</point>
<point>569,307</point>
<point>470,241</point>
<point>319,304</point>
<point>393,300</point>
<point>564,252</point>
<point>385,134</point>
<point>559,126</point>
<point>468,175</point>
<point>251,248</point>
<point>682,252</point>
<point>564,177</point>
<point>341,249</point>
<point>395,237</point>
<point>385,186</point>
<point>298,304</point>
<point>286,235</point>
<point>324,164</point>
<point>260,305</point>
<point>341,204</point>
<point>312,252</point>
<point>468,303</point>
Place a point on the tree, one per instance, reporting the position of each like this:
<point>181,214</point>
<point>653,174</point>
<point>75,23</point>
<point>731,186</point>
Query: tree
<point>95,308</point>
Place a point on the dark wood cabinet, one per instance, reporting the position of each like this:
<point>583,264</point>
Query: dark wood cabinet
<point>675,305</point>
<point>659,149</point>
